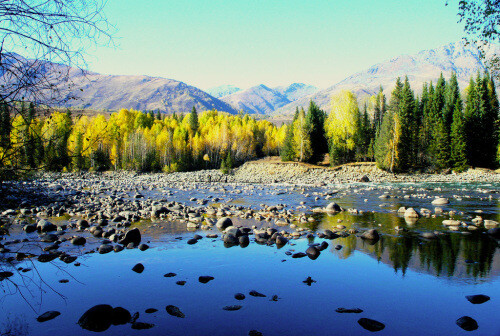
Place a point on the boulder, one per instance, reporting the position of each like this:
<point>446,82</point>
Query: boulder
<point>440,201</point>
<point>411,213</point>
<point>371,234</point>
<point>224,223</point>
<point>312,252</point>
<point>333,207</point>
<point>132,236</point>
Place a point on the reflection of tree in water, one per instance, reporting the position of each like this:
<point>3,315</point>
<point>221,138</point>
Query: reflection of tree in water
<point>400,251</point>
<point>14,327</point>
<point>449,255</point>
<point>480,253</point>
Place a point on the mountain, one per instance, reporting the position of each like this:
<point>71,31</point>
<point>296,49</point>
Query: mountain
<point>222,91</point>
<point>262,99</point>
<point>90,90</point>
<point>258,99</point>
<point>296,91</point>
<point>425,66</point>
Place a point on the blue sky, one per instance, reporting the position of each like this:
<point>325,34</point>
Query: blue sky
<point>275,42</point>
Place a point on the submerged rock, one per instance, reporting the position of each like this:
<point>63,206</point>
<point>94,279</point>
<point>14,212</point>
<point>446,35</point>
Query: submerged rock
<point>205,278</point>
<point>349,310</point>
<point>174,311</point>
<point>98,318</point>
<point>477,299</point>
<point>142,325</point>
<point>49,315</point>
<point>312,252</point>
<point>239,296</point>
<point>467,323</point>
<point>232,308</point>
<point>371,325</point>
<point>138,268</point>
<point>256,294</point>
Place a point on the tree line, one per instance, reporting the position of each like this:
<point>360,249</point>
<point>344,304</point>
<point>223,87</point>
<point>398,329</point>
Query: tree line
<point>133,140</point>
<point>434,131</point>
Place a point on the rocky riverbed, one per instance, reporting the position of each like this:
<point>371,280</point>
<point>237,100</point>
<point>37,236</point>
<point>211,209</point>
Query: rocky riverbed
<point>118,237</point>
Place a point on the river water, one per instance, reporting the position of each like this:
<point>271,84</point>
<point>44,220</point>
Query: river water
<point>412,285</point>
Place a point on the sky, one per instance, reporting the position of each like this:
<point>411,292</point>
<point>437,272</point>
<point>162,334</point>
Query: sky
<point>274,42</point>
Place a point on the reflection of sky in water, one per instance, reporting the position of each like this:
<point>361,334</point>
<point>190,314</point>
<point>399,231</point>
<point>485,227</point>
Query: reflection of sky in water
<point>413,304</point>
<point>415,287</point>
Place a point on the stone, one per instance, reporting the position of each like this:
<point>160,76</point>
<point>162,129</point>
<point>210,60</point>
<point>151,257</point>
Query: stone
<point>48,315</point>
<point>224,223</point>
<point>49,238</point>
<point>138,268</point>
<point>440,201</point>
<point>174,311</point>
<point>79,241</point>
<point>120,316</point>
<point>281,241</point>
<point>467,323</point>
<point>132,236</point>
<point>205,279</point>
<point>169,275</point>
<point>490,224</point>
<point>192,241</point>
<point>239,296</point>
<point>105,248</point>
<point>254,293</point>
<point>98,318</point>
<point>299,255</point>
<point>477,299</point>
<point>142,325</point>
<point>371,325</point>
<point>371,234</point>
<point>411,213</point>
<point>150,310</point>
<point>364,179</point>
<point>45,226</point>
<point>312,252</point>
<point>349,310</point>
<point>333,207</point>
<point>232,308</point>
<point>143,247</point>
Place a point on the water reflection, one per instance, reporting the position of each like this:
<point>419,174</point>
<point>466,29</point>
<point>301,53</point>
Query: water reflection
<point>455,255</point>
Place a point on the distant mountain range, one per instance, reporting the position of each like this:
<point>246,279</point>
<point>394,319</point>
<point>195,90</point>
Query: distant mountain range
<point>262,99</point>
<point>425,66</point>
<point>108,92</point>
<point>222,91</point>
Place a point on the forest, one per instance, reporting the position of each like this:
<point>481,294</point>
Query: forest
<point>440,129</point>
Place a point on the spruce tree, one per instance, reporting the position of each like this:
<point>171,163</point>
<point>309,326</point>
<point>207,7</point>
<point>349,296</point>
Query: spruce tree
<point>406,113</point>
<point>315,120</point>
<point>193,120</point>
<point>458,141</point>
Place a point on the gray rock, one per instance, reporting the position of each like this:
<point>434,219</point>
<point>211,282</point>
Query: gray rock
<point>224,223</point>
<point>45,226</point>
<point>78,241</point>
<point>312,252</point>
<point>132,236</point>
<point>333,207</point>
<point>105,248</point>
<point>371,234</point>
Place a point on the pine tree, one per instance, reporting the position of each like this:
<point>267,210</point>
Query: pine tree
<point>380,109</point>
<point>287,153</point>
<point>315,120</point>
<point>406,113</point>
<point>458,141</point>
<point>193,120</point>
<point>471,123</point>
